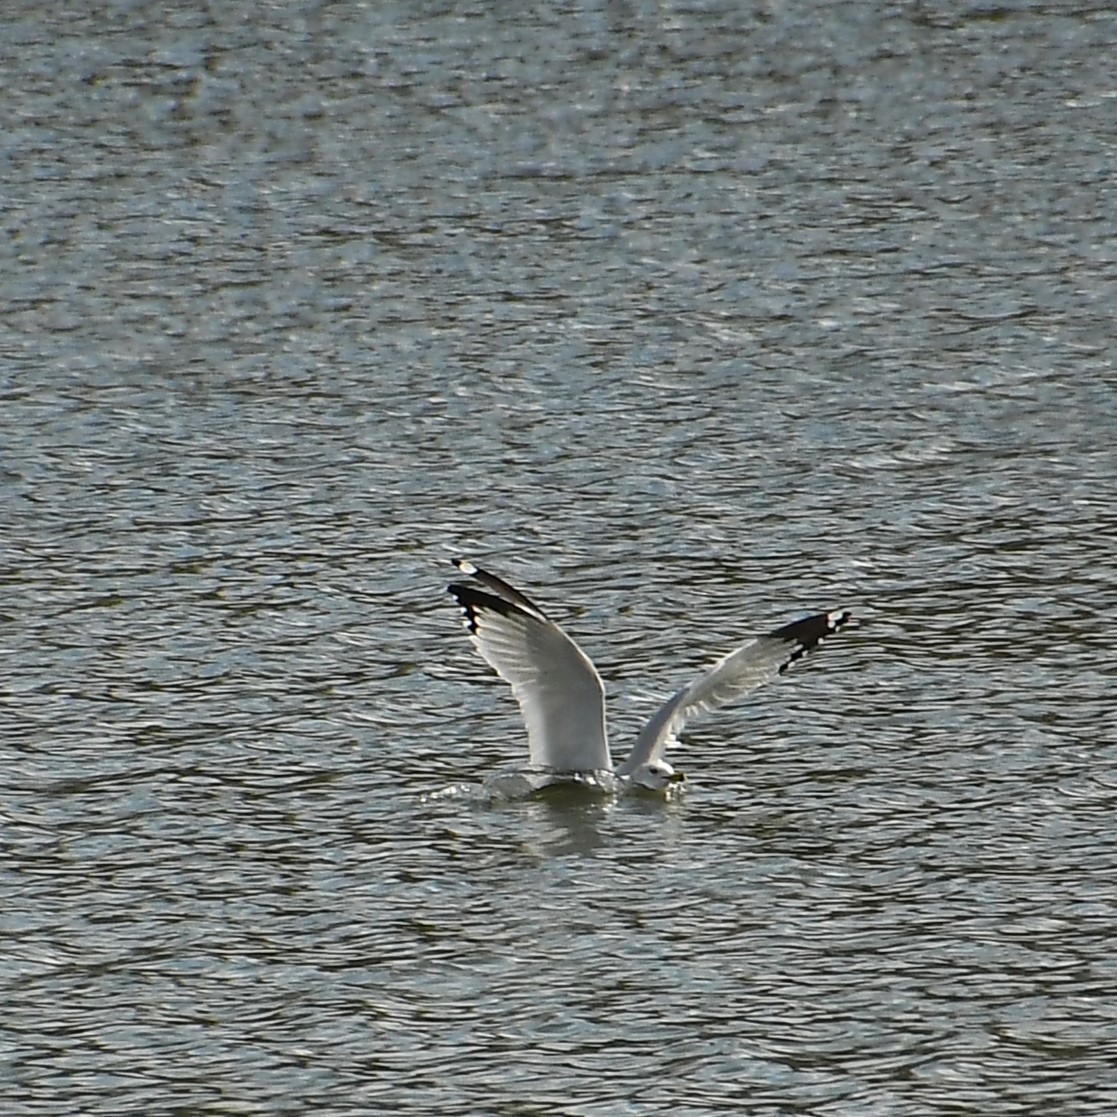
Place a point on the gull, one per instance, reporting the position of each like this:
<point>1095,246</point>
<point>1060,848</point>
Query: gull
<point>562,698</point>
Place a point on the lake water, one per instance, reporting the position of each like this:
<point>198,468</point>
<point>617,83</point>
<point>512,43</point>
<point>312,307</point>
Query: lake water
<point>688,318</point>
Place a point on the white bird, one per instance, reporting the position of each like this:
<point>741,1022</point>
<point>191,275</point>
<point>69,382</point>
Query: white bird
<point>561,695</point>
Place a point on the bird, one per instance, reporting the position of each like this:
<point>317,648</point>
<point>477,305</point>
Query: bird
<point>562,698</point>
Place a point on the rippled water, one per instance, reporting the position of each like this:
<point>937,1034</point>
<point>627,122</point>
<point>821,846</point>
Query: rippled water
<point>689,318</point>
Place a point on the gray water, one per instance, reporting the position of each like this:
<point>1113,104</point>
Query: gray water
<point>688,318</point>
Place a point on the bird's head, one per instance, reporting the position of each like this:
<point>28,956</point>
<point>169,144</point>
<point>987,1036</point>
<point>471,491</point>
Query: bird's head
<point>656,776</point>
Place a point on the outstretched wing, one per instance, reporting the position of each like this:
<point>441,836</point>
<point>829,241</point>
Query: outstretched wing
<point>558,688</point>
<point>754,663</point>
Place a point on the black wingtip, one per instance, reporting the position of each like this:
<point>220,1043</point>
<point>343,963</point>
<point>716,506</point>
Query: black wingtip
<point>473,601</point>
<point>808,633</point>
<point>464,595</point>
<point>498,586</point>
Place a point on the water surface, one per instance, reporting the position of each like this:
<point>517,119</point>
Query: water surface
<point>689,319</point>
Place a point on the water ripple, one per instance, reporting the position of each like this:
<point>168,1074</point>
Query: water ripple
<point>693,323</point>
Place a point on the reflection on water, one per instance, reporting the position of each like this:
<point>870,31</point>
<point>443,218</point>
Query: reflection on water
<point>564,826</point>
<point>698,321</point>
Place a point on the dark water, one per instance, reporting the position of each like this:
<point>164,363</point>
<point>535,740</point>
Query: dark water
<point>692,319</point>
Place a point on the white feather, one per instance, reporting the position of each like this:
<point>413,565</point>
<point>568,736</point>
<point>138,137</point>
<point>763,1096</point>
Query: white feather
<point>559,690</point>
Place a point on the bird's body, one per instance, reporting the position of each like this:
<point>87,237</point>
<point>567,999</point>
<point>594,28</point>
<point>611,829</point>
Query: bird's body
<point>561,695</point>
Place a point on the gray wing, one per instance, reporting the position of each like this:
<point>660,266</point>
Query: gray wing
<point>754,663</point>
<point>559,690</point>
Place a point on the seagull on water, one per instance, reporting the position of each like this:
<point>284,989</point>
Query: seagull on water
<point>561,695</point>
